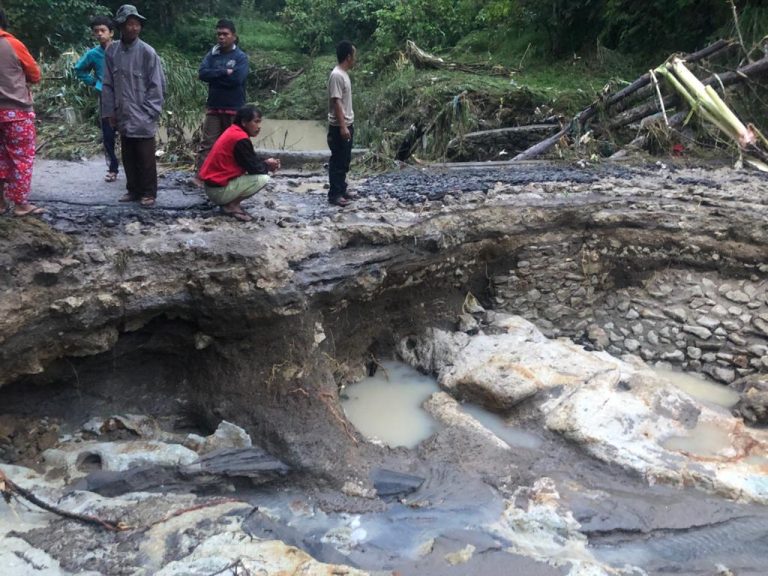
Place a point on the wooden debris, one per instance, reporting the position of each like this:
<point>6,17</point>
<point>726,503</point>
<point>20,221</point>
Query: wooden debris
<point>10,489</point>
<point>641,88</point>
<point>426,61</point>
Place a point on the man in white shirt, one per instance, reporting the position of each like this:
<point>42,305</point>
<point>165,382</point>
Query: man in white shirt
<point>341,119</point>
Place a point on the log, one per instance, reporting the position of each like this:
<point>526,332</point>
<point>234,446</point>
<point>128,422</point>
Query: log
<point>585,115</point>
<point>753,70</point>
<point>491,144</point>
<point>641,88</point>
<point>422,59</point>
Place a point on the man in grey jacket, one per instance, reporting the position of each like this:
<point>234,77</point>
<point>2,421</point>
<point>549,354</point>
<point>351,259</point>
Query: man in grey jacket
<point>132,99</point>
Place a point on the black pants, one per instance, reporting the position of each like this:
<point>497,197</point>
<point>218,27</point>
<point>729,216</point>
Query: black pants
<point>140,166</point>
<point>341,156</point>
<point>108,135</point>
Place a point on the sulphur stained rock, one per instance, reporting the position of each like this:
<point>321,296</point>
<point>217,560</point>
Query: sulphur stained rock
<point>536,527</point>
<point>501,370</point>
<point>445,409</point>
<point>237,549</point>
<point>227,435</point>
<point>17,557</point>
<point>138,424</point>
<point>620,412</point>
<point>78,458</point>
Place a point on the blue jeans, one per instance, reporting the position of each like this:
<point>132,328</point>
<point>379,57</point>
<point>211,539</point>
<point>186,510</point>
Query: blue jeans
<point>338,165</point>
<point>108,136</point>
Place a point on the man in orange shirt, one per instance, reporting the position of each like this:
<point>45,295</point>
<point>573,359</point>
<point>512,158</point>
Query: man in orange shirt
<point>17,123</point>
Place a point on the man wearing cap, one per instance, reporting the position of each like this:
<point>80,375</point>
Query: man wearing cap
<point>132,98</point>
<point>225,70</point>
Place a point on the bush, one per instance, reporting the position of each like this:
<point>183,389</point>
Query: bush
<point>661,26</point>
<point>51,26</point>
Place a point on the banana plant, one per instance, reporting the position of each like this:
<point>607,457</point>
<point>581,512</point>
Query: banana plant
<point>706,102</point>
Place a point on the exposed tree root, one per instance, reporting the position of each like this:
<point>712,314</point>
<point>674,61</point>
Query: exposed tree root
<point>10,489</point>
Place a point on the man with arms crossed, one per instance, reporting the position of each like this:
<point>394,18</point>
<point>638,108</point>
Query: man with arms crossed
<point>225,70</point>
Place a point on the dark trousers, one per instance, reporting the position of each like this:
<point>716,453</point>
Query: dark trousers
<point>140,166</point>
<point>213,127</point>
<point>341,156</point>
<point>108,136</point>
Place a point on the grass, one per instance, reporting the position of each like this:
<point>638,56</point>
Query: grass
<point>258,34</point>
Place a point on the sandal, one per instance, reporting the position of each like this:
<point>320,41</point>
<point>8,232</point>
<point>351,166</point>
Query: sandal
<point>128,197</point>
<point>33,211</point>
<point>147,202</point>
<point>241,215</point>
<point>110,177</point>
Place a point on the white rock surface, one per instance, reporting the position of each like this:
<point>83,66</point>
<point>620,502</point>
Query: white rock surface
<point>617,410</point>
<point>116,456</point>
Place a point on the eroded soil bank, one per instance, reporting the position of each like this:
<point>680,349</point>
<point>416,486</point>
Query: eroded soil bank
<point>193,319</point>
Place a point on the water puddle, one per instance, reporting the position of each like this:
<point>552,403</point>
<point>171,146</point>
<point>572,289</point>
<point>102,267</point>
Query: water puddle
<point>387,407</point>
<point>700,388</point>
<point>515,437</point>
<point>292,135</point>
<point>705,440</point>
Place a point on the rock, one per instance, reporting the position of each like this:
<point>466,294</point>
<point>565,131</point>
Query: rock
<point>652,338</point>
<point>227,435</point>
<point>598,336</point>
<point>651,314</point>
<point>758,350</point>
<point>468,324</point>
<point>720,373</point>
<point>674,356</point>
<point>471,305</point>
<point>648,355</point>
<point>631,345</point>
<point>391,483</point>
<point>694,353</point>
<point>708,322</point>
<point>761,323</point>
<point>753,407</point>
<point>358,490</point>
<point>140,425</point>
<point>698,331</point>
<point>446,410</point>
<point>737,296</point>
<point>677,313</point>
<point>79,459</point>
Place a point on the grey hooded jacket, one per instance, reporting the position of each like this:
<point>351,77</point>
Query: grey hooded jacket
<point>133,91</point>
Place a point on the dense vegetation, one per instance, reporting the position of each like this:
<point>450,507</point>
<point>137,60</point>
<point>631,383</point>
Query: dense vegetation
<point>555,54</point>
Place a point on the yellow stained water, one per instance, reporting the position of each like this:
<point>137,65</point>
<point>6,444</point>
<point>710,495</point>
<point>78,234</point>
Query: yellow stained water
<point>700,388</point>
<point>705,439</point>
<point>387,406</point>
<point>756,460</point>
<point>515,437</point>
<point>292,135</point>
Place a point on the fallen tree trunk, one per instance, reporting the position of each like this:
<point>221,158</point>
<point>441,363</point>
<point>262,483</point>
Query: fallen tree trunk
<point>580,120</point>
<point>748,72</point>
<point>493,144</point>
<point>642,88</point>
